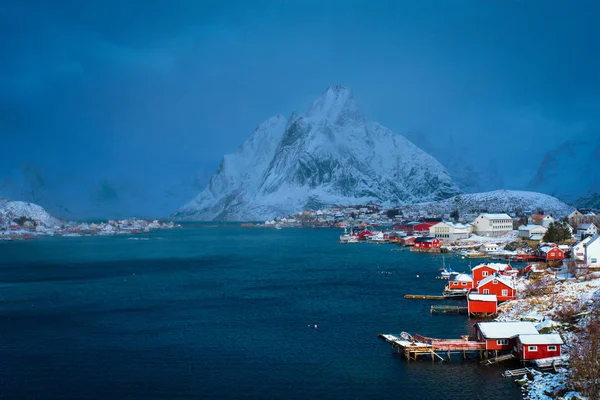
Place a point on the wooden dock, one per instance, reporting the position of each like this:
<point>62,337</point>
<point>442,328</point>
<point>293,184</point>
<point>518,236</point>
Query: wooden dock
<point>496,360</point>
<point>448,310</point>
<point>417,345</point>
<point>424,297</point>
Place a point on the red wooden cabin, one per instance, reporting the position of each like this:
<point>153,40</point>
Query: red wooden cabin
<point>534,347</point>
<point>501,336</point>
<point>504,288</point>
<point>427,243</point>
<point>555,254</point>
<point>482,271</point>
<point>461,281</point>
<point>482,304</point>
<point>364,234</point>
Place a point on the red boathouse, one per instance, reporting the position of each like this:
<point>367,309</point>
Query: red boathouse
<point>427,243</point>
<point>482,304</point>
<point>501,336</point>
<point>535,347</point>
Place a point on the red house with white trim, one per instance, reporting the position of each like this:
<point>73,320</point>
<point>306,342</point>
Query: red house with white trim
<point>485,304</point>
<point>500,336</point>
<point>552,253</point>
<point>427,243</point>
<point>482,271</point>
<point>503,287</point>
<point>461,281</point>
<point>535,347</point>
<point>364,234</point>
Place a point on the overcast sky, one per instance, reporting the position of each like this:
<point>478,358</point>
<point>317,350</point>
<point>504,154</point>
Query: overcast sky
<point>143,96</point>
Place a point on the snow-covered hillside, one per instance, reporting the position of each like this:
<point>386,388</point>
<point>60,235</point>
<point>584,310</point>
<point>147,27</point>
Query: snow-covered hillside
<point>329,156</point>
<point>495,201</point>
<point>13,210</point>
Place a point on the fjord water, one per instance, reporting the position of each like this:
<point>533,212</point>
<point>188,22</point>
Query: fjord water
<point>222,312</point>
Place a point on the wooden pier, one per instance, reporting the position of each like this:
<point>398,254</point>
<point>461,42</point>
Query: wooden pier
<point>496,360</point>
<point>424,297</point>
<point>447,310</point>
<point>417,345</point>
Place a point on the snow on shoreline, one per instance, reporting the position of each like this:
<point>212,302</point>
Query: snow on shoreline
<point>546,310</point>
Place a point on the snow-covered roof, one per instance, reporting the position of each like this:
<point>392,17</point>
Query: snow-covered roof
<point>482,297</point>
<point>463,278</point>
<point>506,330</point>
<point>592,240</point>
<point>552,338</point>
<point>500,278</point>
<point>496,216</point>
<point>536,236</point>
<point>583,227</point>
<point>494,266</point>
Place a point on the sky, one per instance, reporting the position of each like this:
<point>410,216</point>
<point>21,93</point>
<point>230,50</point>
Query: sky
<point>108,106</point>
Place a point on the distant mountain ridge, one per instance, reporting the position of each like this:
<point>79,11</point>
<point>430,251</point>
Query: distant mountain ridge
<point>329,156</point>
<point>494,201</point>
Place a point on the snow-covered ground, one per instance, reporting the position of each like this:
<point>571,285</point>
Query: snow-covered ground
<point>495,201</point>
<point>555,301</point>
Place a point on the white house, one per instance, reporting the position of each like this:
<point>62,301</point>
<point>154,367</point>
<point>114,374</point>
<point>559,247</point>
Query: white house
<point>450,230</point>
<point>578,249</point>
<point>493,224</point>
<point>592,251</point>
<point>525,231</point>
<point>489,247</point>
<point>586,229</point>
<point>540,219</point>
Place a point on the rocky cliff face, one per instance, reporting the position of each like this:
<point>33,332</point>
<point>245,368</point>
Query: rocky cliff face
<point>329,156</point>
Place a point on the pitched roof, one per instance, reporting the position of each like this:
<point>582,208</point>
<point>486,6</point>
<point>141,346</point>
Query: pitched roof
<point>592,240</point>
<point>424,239</point>
<point>538,216</point>
<point>463,278</point>
<point>536,236</point>
<point>506,330</point>
<point>482,297</point>
<point>494,266</point>
<point>533,339</point>
<point>499,278</point>
<point>496,216</point>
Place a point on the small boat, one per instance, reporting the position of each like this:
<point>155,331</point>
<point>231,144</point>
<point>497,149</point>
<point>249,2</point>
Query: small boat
<point>348,238</point>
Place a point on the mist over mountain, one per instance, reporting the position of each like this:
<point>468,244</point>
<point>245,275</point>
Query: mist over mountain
<point>329,155</point>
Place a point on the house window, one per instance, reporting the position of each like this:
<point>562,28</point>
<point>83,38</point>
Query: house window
<point>551,348</point>
<point>485,273</point>
<point>594,260</point>
<point>532,348</point>
<point>486,291</point>
<point>502,342</point>
<point>495,281</point>
<point>504,292</point>
<point>464,283</point>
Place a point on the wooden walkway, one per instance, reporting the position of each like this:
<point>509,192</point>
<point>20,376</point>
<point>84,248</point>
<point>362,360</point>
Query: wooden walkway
<point>417,345</point>
<point>447,310</point>
<point>424,297</point>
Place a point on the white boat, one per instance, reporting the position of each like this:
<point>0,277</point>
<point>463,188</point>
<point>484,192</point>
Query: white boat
<point>348,238</point>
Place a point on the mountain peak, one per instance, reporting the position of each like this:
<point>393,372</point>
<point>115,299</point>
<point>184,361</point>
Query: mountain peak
<point>336,105</point>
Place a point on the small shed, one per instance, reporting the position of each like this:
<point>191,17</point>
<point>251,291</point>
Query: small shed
<point>535,347</point>
<point>482,304</point>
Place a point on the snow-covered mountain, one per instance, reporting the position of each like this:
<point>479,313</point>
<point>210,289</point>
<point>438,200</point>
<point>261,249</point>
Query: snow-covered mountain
<point>569,170</point>
<point>14,210</point>
<point>329,156</point>
<point>495,201</point>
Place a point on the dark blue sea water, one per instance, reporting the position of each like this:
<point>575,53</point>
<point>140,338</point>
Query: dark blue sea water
<point>224,312</point>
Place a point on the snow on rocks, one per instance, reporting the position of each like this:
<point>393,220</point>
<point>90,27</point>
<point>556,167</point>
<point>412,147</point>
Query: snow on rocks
<point>559,306</point>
